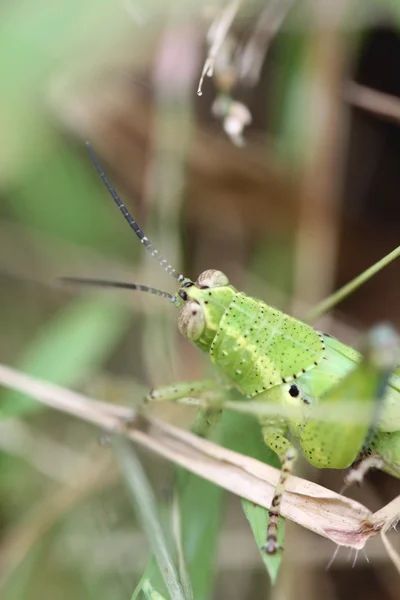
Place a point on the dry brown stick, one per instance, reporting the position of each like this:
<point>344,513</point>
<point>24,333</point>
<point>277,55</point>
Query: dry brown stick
<point>318,509</point>
<point>253,54</point>
<point>220,28</point>
<point>383,105</point>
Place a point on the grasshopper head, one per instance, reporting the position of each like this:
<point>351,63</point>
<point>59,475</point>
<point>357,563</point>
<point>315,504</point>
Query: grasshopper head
<point>204,303</point>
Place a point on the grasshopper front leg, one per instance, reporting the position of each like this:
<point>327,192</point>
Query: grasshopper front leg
<point>177,391</point>
<point>211,390</point>
<point>274,431</point>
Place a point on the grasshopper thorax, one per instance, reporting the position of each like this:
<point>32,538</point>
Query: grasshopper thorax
<point>204,303</point>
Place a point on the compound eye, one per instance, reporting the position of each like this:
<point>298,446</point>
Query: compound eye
<point>211,279</point>
<point>191,321</point>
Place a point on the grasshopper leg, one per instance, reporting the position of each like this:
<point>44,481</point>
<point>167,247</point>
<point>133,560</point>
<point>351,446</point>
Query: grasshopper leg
<point>206,418</point>
<point>274,436</point>
<point>360,468</point>
<point>210,390</point>
<point>176,391</point>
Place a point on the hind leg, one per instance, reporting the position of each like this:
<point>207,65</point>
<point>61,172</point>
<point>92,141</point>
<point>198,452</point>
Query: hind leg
<point>274,436</point>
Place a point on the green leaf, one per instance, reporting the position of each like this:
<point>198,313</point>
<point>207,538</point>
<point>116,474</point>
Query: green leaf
<point>148,574</point>
<point>68,177</point>
<point>200,504</point>
<point>258,519</point>
<point>144,502</point>
<point>150,592</point>
<point>242,433</point>
<point>72,344</point>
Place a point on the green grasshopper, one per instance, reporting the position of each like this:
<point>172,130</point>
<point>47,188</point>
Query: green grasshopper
<point>274,358</point>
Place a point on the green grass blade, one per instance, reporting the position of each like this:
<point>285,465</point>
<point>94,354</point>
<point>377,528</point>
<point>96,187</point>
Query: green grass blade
<point>145,504</point>
<point>72,344</point>
<point>200,507</point>
<point>200,504</point>
<point>148,574</point>
<point>177,533</point>
<point>150,593</point>
<point>330,302</point>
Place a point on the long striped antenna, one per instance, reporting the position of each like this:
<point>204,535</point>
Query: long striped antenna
<point>117,284</point>
<point>132,223</point>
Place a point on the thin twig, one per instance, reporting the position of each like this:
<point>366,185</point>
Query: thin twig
<point>378,103</point>
<point>328,514</point>
<point>220,28</point>
<point>253,54</point>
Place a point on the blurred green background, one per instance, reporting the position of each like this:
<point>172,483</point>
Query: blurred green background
<point>305,204</point>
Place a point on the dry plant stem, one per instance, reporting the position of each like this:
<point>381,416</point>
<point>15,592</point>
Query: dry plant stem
<point>253,54</point>
<point>99,413</point>
<point>220,28</point>
<point>381,104</point>
<point>390,514</point>
<point>328,514</point>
